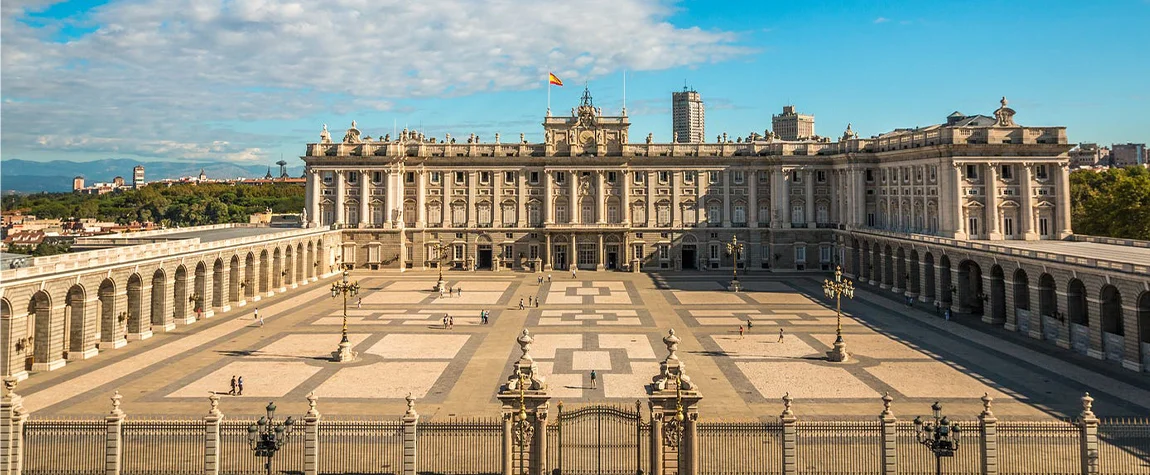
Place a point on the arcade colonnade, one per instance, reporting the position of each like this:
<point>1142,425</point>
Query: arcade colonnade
<point>47,321</point>
<point>1103,313</point>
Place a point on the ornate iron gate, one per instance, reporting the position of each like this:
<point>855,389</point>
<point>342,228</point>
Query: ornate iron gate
<point>599,439</point>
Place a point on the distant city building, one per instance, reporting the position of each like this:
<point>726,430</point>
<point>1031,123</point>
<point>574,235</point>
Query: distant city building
<point>687,116</point>
<point>138,176</point>
<point>118,182</point>
<point>203,176</point>
<point>1128,154</point>
<point>78,183</point>
<point>1087,155</point>
<point>791,125</point>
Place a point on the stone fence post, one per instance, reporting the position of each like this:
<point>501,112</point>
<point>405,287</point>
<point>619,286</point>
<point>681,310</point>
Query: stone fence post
<point>114,437</point>
<point>212,435</point>
<point>410,439</point>
<point>1089,439</point>
<point>656,440</point>
<point>988,426</point>
<point>790,455</point>
<point>311,436</point>
<point>11,438</point>
<point>889,434</point>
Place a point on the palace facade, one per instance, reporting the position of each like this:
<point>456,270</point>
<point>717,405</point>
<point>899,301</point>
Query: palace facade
<point>589,197</point>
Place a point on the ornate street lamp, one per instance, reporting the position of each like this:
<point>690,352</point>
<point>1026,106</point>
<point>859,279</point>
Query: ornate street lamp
<point>344,353</point>
<point>836,289</point>
<point>734,249</point>
<point>441,252</point>
<point>940,436</point>
<point>266,437</point>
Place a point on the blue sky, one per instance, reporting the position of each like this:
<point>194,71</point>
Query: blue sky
<point>247,81</point>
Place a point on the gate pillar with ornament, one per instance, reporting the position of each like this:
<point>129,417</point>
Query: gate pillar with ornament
<point>524,401</point>
<point>674,402</point>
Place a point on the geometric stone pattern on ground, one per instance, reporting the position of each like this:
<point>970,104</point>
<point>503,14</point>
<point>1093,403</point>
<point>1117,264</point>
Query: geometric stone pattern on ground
<point>624,364</point>
<point>410,317</point>
<point>587,292</point>
<point>589,317</point>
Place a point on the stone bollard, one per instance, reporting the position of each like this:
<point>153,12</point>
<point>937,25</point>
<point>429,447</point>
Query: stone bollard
<point>790,455</point>
<point>113,440</point>
<point>311,436</point>
<point>212,435</point>
<point>1089,425</point>
<point>988,426</point>
<point>410,439</point>
<point>11,438</point>
<point>889,434</point>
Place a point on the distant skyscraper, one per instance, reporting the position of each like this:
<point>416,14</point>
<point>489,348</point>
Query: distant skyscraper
<point>138,176</point>
<point>793,126</point>
<point>687,112</point>
<point>1128,154</point>
<point>78,183</point>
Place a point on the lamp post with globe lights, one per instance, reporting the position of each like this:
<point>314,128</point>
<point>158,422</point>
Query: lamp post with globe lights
<point>940,436</point>
<point>735,248</point>
<point>345,288</point>
<point>837,289</point>
<point>266,437</point>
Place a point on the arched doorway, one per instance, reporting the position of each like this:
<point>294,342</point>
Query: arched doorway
<point>265,271</point>
<point>876,264</point>
<point>929,289</point>
<point>249,283</point>
<point>300,267</point>
<point>135,307</point>
<point>997,313</point>
<point>9,350</point>
<point>200,292</point>
<point>159,302</point>
<point>75,322</point>
<point>180,297</point>
<point>234,280</point>
<point>40,334</point>
<point>311,263</point>
<point>110,329</point>
<point>915,270</point>
<point>970,293</point>
<point>1022,300</point>
<point>901,277</point>
<point>946,289</point>
<point>217,297</point>
<point>1079,314</point>
<point>1113,331</point>
<point>289,266</point>
<point>887,268</point>
<point>855,267</point>
<point>277,270</point>
<point>1144,329</point>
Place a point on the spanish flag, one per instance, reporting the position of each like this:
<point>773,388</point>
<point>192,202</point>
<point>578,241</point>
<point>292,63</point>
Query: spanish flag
<point>553,79</point>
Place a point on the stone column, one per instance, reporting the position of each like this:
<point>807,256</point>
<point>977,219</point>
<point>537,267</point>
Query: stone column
<point>12,432</point>
<point>525,394</point>
<point>574,208</point>
<point>212,448</point>
<point>625,202</point>
<point>311,446</point>
<point>1026,198</point>
<point>496,204</point>
<point>471,201</point>
<point>508,446</point>
<point>547,251</point>
<point>752,199</point>
<point>521,199</point>
<point>990,313</point>
<point>790,437</point>
<point>776,198</point>
<point>676,213</point>
<point>339,197</point>
<point>785,198</point>
<point>962,294</point>
<point>314,184</point>
<point>652,182</point>
<point>395,212</point>
<point>446,216</point>
<point>860,197</point>
<point>113,439</point>
<point>600,258</point>
<point>726,198</point>
<point>1088,423</point>
<point>410,439</point>
<point>1096,351</point>
<point>1062,198</point>
<point>548,199</point>
<point>992,225</point>
<point>1035,331</point>
<point>365,201</point>
<point>988,444</point>
<point>420,199</point>
<point>809,197</point>
<point>112,338</point>
<point>889,437</point>
<point>655,450</point>
<point>700,197</point>
<point>600,199</point>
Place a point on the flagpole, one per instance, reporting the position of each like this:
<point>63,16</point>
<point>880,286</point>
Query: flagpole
<point>548,93</point>
<point>624,92</point>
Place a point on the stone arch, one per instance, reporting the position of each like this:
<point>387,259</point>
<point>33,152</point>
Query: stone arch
<point>1076,307</point>
<point>75,320</point>
<point>234,280</point>
<point>1111,310</point>
<point>249,283</point>
<point>265,272</point>
<point>1143,322</point>
<point>971,295</point>
<point>1047,306</point>
<point>289,266</point>
<point>311,262</point>
<point>300,276</point>
<point>1021,290</point>
<point>159,299</point>
<point>218,297</point>
<point>277,269</point>
<point>915,271</point>
<point>40,332</point>
<point>875,273</point>
<point>997,295</point>
<point>856,262</point>
<point>901,277</point>
<point>108,327</point>
<point>135,304</point>
<point>200,290</point>
<point>8,350</point>
<point>180,297</point>
<point>946,288</point>
<point>929,288</point>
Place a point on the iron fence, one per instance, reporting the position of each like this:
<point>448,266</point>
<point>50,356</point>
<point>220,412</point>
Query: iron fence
<point>44,441</point>
<point>363,447</point>
<point>472,446</point>
<point>1039,447</point>
<point>163,447</point>
<point>1124,446</point>
<point>238,458</point>
<point>752,448</point>
<point>916,459</point>
<point>832,447</point>
<point>599,439</point>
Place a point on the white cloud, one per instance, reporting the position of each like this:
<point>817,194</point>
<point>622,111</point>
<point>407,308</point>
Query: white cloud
<point>156,73</point>
<point>881,20</point>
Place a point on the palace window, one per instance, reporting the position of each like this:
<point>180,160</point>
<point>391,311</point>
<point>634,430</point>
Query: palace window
<point>971,172</point>
<point>738,176</point>
<point>688,177</point>
<point>460,177</point>
<point>1044,226</point>
<point>485,177</point>
<point>560,213</point>
<point>458,214</point>
<point>870,175</point>
<point>933,172</point>
<point>352,177</point>
<point>797,215</point>
<point>533,214</point>
<point>764,214</point>
<point>509,216</point>
<point>377,177</point>
<point>763,177</point>
<point>821,176</point>
<point>328,177</point>
<point>508,177</point>
<point>800,253</point>
<point>664,177</point>
<point>533,251</point>
<point>458,248</point>
<point>740,215</point>
<point>483,210</point>
<point>613,213</point>
<point>824,254</point>
<point>560,178</point>
<point>409,177</point>
<point>436,177</point>
<point>612,177</point>
<point>1008,226</point>
<point>1007,172</point>
<point>637,251</point>
<point>664,252</point>
<point>533,178</point>
<point>714,249</point>
<point>821,213</point>
<point>713,214</point>
<point>1040,171</point>
<point>639,177</point>
<point>713,177</point>
<point>796,177</point>
<point>664,214</point>
<point>588,213</point>
<point>972,224</point>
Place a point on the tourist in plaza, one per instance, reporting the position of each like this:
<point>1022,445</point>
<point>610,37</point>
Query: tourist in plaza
<point>445,321</point>
<point>780,335</point>
<point>572,272</point>
<point>240,386</point>
<point>540,280</point>
<point>450,322</point>
<point>592,379</point>
<point>459,291</point>
<point>749,324</point>
<point>359,303</point>
<point>740,331</point>
<point>528,300</point>
<point>536,302</point>
<point>233,391</point>
<point>937,308</point>
<point>548,278</point>
<point>520,304</point>
<point>947,314</point>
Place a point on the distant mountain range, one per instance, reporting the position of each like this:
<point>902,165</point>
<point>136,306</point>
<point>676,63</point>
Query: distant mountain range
<point>25,176</point>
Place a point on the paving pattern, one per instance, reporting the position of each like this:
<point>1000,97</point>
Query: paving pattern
<point>612,323</point>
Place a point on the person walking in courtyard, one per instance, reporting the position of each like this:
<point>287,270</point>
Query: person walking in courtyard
<point>450,322</point>
<point>233,391</point>
<point>520,304</point>
<point>528,300</point>
<point>780,335</point>
<point>445,321</point>
<point>937,308</point>
<point>948,314</point>
<point>548,278</point>
<point>536,302</point>
<point>572,272</point>
<point>592,379</point>
<point>749,324</point>
<point>240,386</point>
<point>459,291</point>
<point>359,303</point>
<point>740,331</point>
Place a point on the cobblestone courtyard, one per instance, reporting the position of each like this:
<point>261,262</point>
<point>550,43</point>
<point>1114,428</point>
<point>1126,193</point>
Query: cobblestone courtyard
<point>608,322</point>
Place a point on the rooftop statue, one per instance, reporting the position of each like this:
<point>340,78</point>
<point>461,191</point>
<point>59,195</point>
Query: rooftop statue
<point>324,136</point>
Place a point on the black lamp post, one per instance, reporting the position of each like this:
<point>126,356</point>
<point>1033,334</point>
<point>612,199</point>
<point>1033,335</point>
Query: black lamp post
<point>940,436</point>
<point>837,289</point>
<point>735,248</point>
<point>266,437</point>
<point>344,353</point>
<point>442,251</point>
